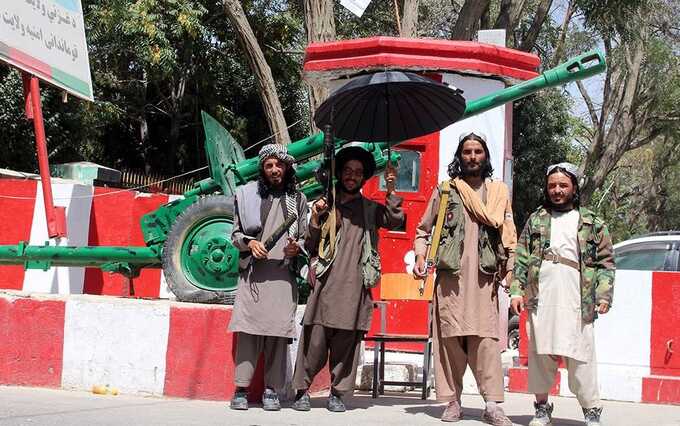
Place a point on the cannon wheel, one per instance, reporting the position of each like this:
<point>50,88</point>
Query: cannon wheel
<point>199,262</point>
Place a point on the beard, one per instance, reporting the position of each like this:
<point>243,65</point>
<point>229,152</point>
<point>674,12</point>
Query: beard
<point>564,206</point>
<point>466,171</point>
<point>343,188</point>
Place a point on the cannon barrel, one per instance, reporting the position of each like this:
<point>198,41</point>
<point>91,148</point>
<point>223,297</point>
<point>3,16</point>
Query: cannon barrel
<point>578,68</point>
<point>46,256</point>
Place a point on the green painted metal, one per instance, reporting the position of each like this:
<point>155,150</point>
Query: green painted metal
<point>578,68</point>
<point>156,225</point>
<point>222,151</point>
<point>76,256</point>
<point>208,259</point>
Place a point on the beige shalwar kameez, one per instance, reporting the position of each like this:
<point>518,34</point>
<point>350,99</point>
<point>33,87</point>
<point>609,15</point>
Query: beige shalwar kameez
<point>465,323</point>
<point>555,326</point>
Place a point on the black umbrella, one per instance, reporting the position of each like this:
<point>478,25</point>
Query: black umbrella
<point>390,106</point>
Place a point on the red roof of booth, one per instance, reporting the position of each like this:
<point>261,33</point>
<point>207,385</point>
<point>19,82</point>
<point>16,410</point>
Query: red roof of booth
<point>326,61</point>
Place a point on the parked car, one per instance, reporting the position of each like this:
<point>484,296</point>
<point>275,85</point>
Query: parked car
<point>658,251</point>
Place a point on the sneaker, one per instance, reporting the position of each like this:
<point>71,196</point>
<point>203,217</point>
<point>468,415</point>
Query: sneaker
<point>452,412</point>
<point>335,404</point>
<point>543,415</point>
<point>495,416</point>
<point>270,400</point>
<point>239,401</point>
<point>302,404</point>
<point>592,416</point>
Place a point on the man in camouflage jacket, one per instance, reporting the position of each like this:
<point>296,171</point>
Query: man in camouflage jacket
<point>564,274</point>
<point>596,263</point>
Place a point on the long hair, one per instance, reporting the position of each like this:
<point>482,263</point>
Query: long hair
<point>289,182</point>
<point>576,201</point>
<point>455,168</point>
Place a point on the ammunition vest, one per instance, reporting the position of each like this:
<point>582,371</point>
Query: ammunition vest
<point>490,248</point>
<point>369,260</point>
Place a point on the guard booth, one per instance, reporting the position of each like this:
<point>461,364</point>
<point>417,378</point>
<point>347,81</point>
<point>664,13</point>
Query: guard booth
<point>476,68</point>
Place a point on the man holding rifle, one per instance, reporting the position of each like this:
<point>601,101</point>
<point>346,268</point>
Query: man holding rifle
<point>343,243</point>
<point>270,221</point>
<point>473,243</point>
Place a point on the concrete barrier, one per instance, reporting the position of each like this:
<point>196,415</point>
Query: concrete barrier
<point>634,342</point>
<point>144,347</point>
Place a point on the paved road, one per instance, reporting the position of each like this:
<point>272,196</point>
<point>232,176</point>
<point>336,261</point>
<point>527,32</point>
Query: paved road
<point>30,406</point>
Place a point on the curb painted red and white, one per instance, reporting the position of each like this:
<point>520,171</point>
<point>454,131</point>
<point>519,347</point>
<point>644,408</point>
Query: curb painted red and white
<point>635,350</point>
<point>144,347</point>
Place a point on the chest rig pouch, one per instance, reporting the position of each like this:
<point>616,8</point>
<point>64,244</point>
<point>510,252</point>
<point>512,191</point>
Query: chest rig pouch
<point>490,248</point>
<point>453,232</point>
<point>370,258</point>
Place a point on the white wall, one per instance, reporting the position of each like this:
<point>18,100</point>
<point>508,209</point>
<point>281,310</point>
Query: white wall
<point>491,123</point>
<point>77,199</point>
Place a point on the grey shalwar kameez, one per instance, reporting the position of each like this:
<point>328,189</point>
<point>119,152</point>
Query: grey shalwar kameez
<point>266,300</point>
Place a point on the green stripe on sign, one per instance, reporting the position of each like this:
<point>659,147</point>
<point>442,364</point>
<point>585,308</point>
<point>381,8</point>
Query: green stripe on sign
<point>70,81</point>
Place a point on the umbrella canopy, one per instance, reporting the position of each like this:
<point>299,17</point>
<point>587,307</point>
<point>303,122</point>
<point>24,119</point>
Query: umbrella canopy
<point>390,106</point>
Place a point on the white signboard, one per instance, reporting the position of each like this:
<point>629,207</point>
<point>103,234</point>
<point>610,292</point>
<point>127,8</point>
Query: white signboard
<point>357,7</point>
<point>46,38</point>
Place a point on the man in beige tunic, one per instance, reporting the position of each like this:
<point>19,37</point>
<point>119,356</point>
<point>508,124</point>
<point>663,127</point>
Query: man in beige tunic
<point>565,270</point>
<point>476,247</point>
<point>266,297</point>
<point>340,306</point>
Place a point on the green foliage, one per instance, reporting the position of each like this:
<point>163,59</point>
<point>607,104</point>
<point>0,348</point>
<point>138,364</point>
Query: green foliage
<point>155,65</point>
<point>541,130</point>
<point>68,132</point>
<point>609,17</point>
<point>377,20</point>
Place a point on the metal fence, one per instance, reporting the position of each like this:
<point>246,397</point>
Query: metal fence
<point>155,182</point>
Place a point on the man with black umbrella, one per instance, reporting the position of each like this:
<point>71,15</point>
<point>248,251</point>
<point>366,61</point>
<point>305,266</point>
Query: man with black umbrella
<point>340,307</point>
<point>476,239</point>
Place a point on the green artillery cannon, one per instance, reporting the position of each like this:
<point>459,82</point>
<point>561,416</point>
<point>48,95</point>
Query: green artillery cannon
<point>189,238</point>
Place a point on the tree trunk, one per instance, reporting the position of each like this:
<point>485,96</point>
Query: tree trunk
<point>532,35</point>
<point>615,135</point>
<point>320,26</point>
<point>259,67</point>
<point>409,21</point>
<point>559,50</point>
<point>508,17</point>
<point>485,20</point>
<point>144,124</point>
<point>175,112</point>
<point>468,19</point>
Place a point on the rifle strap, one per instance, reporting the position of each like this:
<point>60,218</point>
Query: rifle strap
<point>329,234</point>
<point>441,214</point>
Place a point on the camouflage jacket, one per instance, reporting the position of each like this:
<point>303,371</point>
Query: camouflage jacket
<point>596,260</point>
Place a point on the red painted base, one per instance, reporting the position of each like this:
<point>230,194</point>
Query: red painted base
<point>519,381</point>
<point>661,389</point>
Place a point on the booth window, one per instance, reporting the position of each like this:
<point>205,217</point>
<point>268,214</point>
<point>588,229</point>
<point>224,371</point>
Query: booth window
<point>408,175</point>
